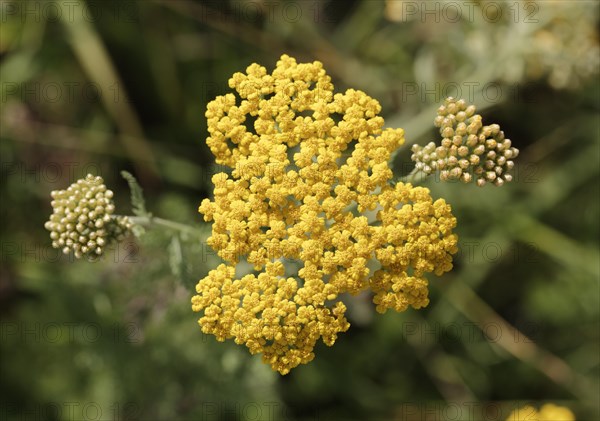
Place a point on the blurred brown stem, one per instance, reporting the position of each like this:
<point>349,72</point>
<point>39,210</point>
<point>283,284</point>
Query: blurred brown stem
<point>516,342</point>
<point>95,60</point>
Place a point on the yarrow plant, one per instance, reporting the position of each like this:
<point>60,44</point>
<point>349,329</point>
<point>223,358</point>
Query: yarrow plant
<point>309,202</point>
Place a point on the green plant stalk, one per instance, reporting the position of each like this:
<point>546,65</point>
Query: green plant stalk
<point>154,221</point>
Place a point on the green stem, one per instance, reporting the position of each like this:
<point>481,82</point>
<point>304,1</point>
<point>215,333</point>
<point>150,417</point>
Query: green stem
<point>410,177</point>
<point>150,221</point>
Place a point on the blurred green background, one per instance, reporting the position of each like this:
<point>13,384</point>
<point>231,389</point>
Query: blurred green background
<point>105,86</point>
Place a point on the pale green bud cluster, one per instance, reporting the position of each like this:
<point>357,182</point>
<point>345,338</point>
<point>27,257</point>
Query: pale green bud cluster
<point>83,220</point>
<point>469,151</point>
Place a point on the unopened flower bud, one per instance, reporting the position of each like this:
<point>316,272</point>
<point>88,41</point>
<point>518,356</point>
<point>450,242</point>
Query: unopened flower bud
<point>467,147</point>
<point>81,214</point>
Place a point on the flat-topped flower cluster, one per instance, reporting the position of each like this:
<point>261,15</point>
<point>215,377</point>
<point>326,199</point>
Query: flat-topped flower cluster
<point>307,167</point>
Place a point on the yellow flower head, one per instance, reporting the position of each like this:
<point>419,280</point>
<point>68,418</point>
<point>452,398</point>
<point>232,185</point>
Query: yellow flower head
<point>306,164</point>
<point>548,412</point>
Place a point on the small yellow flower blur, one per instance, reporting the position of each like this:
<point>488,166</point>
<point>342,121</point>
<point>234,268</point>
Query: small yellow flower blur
<point>307,168</point>
<point>548,412</point>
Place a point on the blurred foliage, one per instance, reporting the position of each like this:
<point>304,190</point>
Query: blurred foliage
<point>105,86</point>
